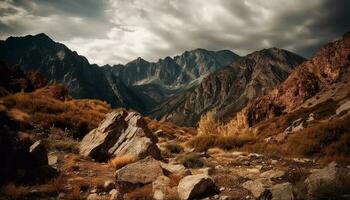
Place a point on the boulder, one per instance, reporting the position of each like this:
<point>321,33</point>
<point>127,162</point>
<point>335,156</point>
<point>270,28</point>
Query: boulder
<point>256,187</point>
<point>114,195</point>
<point>162,189</point>
<point>38,154</point>
<point>138,174</point>
<point>120,133</point>
<point>283,191</point>
<point>195,186</point>
<point>324,177</point>
<point>172,168</point>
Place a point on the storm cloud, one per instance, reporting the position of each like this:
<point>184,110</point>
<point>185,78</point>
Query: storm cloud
<point>117,31</point>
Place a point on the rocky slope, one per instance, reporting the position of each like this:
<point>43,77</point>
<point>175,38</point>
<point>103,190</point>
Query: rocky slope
<point>61,65</point>
<point>229,89</point>
<point>156,82</point>
<point>324,72</point>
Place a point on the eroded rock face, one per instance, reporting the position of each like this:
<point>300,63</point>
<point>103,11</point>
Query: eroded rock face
<point>121,133</point>
<point>311,77</point>
<point>228,90</point>
<point>195,186</point>
<point>138,174</point>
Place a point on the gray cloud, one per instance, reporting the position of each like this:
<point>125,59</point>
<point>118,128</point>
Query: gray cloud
<point>117,31</point>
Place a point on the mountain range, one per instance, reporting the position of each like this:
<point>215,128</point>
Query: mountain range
<point>229,89</point>
<point>139,85</point>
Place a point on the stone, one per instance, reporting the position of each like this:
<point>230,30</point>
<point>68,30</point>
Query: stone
<point>138,174</point>
<point>172,168</point>
<point>108,185</point>
<point>120,133</point>
<point>272,174</point>
<point>162,189</point>
<point>38,154</point>
<point>345,106</point>
<point>273,162</point>
<point>255,187</point>
<point>283,191</point>
<point>93,196</point>
<point>114,194</point>
<point>324,177</point>
<point>52,159</point>
<point>195,186</point>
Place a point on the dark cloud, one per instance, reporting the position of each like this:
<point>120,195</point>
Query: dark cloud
<point>113,31</point>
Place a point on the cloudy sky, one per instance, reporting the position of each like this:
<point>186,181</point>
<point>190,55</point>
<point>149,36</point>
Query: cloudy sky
<point>117,31</point>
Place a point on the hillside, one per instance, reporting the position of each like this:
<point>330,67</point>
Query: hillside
<point>229,89</point>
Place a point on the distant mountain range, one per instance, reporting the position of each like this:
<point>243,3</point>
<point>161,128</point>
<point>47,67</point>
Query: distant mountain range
<point>179,89</point>
<point>140,85</point>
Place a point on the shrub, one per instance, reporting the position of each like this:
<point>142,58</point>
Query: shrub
<point>66,145</point>
<point>121,161</point>
<point>14,192</point>
<point>56,185</point>
<point>191,160</point>
<point>74,194</point>
<point>174,148</point>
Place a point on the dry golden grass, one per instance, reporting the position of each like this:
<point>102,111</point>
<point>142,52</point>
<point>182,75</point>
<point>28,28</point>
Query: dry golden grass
<point>329,138</point>
<point>18,115</point>
<point>26,137</point>
<point>80,116</point>
<point>71,164</point>
<point>67,145</point>
<point>74,194</point>
<point>170,128</point>
<point>56,185</point>
<point>205,142</point>
<point>14,192</point>
<point>207,125</point>
<point>121,161</point>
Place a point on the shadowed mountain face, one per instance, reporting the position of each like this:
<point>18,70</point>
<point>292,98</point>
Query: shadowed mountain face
<point>140,85</point>
<point>229,89</point>
<point>61,65</point>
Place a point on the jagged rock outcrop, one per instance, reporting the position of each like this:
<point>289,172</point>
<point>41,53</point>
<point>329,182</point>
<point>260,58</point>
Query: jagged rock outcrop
<point>120,133</point>
<point>229,89</point>
<point>311,77</point>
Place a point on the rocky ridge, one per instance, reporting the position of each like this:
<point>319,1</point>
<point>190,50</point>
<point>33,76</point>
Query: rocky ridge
<point>229,89</point>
